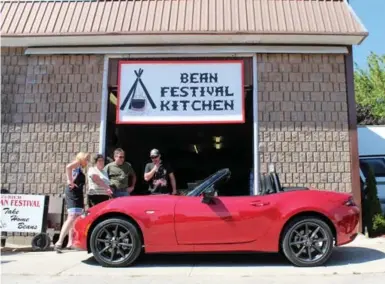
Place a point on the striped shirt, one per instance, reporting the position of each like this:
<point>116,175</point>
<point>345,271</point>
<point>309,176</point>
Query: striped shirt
<point>93,188</point>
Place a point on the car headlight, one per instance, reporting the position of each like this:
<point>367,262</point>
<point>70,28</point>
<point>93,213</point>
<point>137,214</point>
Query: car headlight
<point>84,214</point>
<point>350,202</point>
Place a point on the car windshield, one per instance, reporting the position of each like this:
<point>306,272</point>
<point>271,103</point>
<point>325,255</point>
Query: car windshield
<point>381,190</point>
<point>205,183</point>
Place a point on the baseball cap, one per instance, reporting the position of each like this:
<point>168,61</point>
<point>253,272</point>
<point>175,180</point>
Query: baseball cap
<point>154,153</point>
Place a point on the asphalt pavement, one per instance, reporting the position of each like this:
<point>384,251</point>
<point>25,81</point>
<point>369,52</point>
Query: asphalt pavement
<point>364,258</point>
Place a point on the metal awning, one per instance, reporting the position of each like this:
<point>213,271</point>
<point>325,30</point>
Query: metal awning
<point>115,22</point>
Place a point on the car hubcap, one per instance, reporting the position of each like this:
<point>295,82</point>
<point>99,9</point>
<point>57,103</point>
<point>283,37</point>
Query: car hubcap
<point>308,242</point>
<point>114,243</point>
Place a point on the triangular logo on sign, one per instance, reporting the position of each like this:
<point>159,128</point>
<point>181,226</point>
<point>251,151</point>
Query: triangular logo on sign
<point>138,95</point>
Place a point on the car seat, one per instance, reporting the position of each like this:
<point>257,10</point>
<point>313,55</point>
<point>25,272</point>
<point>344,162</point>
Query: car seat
<point>276,181</point>
<point>266,184</point>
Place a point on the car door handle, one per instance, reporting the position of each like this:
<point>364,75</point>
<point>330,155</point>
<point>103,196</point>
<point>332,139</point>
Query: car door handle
<point>259,203</point>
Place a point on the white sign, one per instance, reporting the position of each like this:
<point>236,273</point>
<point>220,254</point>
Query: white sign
<point>22,213</point>
<point>162,92</point>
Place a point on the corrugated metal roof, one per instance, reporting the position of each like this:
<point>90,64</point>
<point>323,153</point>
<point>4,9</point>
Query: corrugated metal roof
<point>35,18</point>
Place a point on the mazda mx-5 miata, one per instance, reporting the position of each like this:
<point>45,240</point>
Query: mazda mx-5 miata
<point>304,224</point>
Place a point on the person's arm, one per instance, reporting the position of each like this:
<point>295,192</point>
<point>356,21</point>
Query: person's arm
<point>106,169</point>
<point>69,168</point>
<point>148,174</point>
<point>133,179</point>
<point>96,179</point>
<point>132,173</point>
<point>172,179</point>
<point>173,183</point>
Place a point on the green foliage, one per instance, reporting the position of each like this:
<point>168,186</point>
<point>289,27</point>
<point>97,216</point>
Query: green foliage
<point>370,86</point>
<point>379,224</point>
<point>365,116</point>
<point>372,205</point>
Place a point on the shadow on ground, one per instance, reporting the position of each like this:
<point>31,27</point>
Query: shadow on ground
<point>14,251</point>
<point>341,256</point>
<point>6,261</point>
<point>354,255</point>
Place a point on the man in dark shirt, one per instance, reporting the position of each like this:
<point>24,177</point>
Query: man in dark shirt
<point>160,176</point>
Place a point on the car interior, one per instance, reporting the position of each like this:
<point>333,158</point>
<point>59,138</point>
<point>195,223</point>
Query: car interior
<point>269,183</point>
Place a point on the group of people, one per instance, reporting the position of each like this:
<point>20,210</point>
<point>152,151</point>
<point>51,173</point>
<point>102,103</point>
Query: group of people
<point>116,179</point>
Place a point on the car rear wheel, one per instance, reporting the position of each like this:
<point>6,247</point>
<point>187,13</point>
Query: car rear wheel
<point>115,242</point>
<point>307,242</point>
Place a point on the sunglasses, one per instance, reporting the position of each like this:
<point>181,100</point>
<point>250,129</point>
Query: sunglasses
<point>154,157</point>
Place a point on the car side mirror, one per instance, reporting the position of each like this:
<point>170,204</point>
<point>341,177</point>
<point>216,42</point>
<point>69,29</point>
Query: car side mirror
<point>208,195</point>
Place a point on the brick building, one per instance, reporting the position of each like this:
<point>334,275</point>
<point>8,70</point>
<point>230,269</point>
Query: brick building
<point>59,63</point>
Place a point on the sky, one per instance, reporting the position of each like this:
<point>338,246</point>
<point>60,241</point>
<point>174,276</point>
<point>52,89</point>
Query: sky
<point>372,15</point>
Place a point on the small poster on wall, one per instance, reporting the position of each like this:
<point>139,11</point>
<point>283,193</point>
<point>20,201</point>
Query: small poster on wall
<point>190,92</point>
<point>22,213</point>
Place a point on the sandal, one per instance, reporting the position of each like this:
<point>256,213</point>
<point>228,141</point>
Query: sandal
<point>57,248</point>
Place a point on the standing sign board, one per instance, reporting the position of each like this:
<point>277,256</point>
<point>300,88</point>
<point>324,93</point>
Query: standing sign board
<point>188,92</point>
<point>22,213</point>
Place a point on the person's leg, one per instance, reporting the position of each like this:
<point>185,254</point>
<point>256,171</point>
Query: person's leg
<point>73,213</point>
<point>70,232</point>
<point>78,212</point>
<point>103,198</point>
<point>65,229</point>
<point>96,199</point>
<point>90,200</point>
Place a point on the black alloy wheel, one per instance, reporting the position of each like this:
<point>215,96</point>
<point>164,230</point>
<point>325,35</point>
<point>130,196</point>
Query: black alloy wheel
<point>308,242</point>
<point>115,243</point>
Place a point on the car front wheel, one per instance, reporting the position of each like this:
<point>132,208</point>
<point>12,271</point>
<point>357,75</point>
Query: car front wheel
<point>115,242</point>
<point>307,242</point>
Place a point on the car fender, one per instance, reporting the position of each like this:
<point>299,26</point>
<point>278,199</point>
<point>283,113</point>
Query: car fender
<point>153,215</point>
<point>292,204</point>
<point>110,208</point>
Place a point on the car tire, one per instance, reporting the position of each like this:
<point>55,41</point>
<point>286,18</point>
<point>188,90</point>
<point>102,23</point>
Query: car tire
<point>296,246</point>
<point>97,246</point>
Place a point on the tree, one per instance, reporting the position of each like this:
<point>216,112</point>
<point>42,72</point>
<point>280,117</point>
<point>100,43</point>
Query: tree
<point>370,91</point>
<point>365,116</point>
<point>372,205</point>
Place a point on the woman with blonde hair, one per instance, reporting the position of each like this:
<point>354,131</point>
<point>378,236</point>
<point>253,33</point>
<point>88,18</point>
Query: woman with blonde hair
<point>74,196</point>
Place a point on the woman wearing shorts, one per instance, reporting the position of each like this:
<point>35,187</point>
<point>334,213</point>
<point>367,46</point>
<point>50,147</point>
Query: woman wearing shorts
<point>74,196</point>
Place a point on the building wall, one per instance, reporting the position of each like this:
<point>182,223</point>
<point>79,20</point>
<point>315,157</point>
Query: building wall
<point>50,111</point>
<point>303,119</point>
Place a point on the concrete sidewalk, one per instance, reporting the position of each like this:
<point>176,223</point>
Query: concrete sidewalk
<point>363,256</point>
<point>222,279</point>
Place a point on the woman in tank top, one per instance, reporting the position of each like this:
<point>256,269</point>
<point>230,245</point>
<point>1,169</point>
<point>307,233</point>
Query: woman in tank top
<point>74,196</point>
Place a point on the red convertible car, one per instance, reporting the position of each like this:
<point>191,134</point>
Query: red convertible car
<point>304,224</point>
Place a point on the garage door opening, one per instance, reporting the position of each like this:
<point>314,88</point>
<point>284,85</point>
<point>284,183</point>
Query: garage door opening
<point>194,151</point>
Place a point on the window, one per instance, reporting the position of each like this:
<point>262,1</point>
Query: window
<point>377,164</point>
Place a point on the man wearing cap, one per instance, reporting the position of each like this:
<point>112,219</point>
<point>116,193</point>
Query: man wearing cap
<point>160,176</point>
